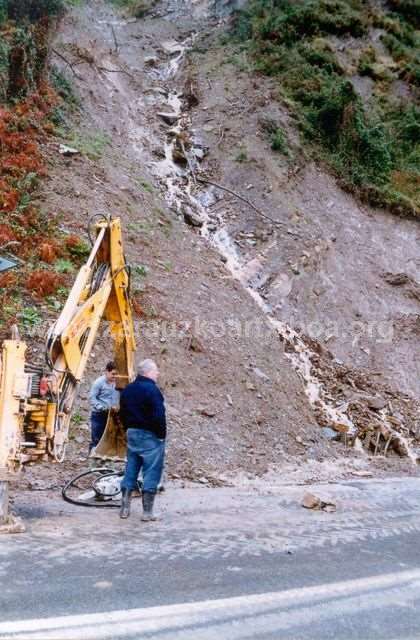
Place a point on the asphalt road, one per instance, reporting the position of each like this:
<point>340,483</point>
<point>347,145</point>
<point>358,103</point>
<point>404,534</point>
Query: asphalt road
<point>221,564</point>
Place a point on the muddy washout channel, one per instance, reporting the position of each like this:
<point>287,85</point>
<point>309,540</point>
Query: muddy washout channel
<point>191,196</point>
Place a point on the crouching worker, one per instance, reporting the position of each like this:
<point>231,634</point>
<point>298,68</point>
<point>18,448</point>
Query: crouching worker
<point>142,412</point>
<point>103,397</point>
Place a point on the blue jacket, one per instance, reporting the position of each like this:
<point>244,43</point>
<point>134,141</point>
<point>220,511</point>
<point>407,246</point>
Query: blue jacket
<point>103,395</point>
<point>142,407</point>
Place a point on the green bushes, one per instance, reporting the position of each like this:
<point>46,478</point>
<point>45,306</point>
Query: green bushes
<point>30,10</point>
<point>288,22</point>
<point>279,141</point>
<point>404,125</point>
<point>374,149</point>
<point>34,10</point>
<point>357,144</point>
<point>319,54</point>
<point>325,107</point>
<point>24,42</point>
<point>364,153</point>
<point>406,121</point>
<point>408,57</point>
<point>64,88</point>
<point>136,8</point>
<point>410,9</point>
<point>3,11</point>
<point>403,42</point>
<point>366,62</point>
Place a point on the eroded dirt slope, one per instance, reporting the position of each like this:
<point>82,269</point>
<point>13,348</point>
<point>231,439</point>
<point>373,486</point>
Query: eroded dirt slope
<point>221,296</point>
<point>233,400</point>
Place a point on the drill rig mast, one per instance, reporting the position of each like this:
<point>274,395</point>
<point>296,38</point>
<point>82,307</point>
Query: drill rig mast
<point>36,401</point>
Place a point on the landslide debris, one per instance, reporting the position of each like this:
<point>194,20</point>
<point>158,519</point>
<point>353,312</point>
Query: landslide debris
<point>234,401</point>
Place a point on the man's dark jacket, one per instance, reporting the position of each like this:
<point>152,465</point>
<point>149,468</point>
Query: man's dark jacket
<point>142,407</point>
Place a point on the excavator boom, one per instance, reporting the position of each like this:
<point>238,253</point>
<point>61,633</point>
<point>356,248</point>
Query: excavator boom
<point>36,400</point>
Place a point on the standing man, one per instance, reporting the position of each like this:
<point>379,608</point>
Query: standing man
<point>103,397</point>
<point>142,412</point>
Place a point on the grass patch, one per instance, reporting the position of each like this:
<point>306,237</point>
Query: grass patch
<point>242,155</point>
<point>140,270</point>
<point>53,304</point>
<point>167,265</point>
<point>240,61</point>
<point>136,8</point>
<point>29,317</point>
<point>62,265</point>
<point>409,9</point>
<point>279,141</point>
<point>64,88</point>
<point>146,186</point>
<point>63,292</point>
<point>92,145</point>
<point>77,419</point>
<point>77,248</point>
<point>145,228</point>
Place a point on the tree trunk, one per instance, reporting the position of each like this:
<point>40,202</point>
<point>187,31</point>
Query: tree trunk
<point>18,71</point>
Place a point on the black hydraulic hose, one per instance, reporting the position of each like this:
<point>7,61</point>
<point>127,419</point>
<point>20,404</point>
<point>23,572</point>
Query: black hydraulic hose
<point>98,277</point>
<point>127,267</point>
<point>80,503</point>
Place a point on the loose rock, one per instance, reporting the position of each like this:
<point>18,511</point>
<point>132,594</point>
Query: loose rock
<point>172,47</point>
<point>330,433</point>
<point>168,117</point>
<point>150,61</point>
<point>311,501</point>
<point>67,151</point>
<point>192,218</point>
<point>376,402</point>
<point>209,413</point>
<point>261,374</point>
<point>396,279</point>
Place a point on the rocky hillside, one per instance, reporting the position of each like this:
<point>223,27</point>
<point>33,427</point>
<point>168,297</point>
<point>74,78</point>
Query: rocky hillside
<point>243,154</point>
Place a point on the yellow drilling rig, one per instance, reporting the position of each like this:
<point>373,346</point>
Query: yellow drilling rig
<point>36,400</point>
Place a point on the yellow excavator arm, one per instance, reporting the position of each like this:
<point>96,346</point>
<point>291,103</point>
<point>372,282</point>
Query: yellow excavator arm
<point>36,400</point>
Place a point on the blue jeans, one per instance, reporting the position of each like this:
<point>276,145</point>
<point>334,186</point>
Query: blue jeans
<point>98,420</point>
<point>144,451</point>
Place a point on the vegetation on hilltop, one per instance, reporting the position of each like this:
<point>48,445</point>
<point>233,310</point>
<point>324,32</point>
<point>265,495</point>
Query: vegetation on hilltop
<point>372,144</point>
<point>136,8</point>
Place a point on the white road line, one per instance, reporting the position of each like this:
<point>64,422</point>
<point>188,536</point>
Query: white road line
<point>235,618</point>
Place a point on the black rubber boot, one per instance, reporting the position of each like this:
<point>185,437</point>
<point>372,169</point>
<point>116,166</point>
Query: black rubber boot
<point>125,503</point>
<point>148,501</point>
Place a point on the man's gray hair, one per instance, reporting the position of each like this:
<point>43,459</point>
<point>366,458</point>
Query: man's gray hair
<point>145,366</point>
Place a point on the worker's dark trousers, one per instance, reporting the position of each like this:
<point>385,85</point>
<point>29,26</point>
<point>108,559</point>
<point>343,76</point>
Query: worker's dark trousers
<point>146,452</point>
<point>98,420</point>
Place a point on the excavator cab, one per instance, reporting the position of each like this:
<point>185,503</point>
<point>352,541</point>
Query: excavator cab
<point>36,400</point>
